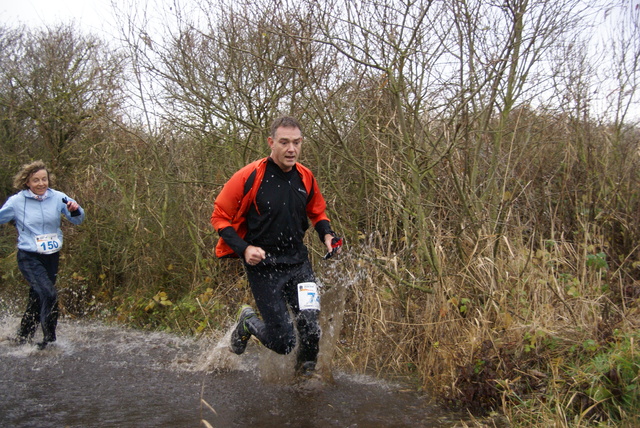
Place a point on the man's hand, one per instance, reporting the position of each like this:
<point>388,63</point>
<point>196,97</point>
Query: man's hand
<point>333,244</point>
<point>254,255</point>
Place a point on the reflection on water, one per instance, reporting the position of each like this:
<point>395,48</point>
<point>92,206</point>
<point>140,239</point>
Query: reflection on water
<point>100,376</point>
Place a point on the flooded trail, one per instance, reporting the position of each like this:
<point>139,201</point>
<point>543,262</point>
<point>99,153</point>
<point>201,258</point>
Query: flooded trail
<point>101,376</point>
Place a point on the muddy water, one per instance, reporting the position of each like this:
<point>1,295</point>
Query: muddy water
<point>101,376</point>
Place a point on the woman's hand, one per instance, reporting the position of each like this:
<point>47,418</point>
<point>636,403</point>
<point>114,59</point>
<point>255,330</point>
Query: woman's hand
<point>72,206</point>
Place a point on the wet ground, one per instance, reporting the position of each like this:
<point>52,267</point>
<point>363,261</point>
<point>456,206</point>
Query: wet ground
<point>101,376</point>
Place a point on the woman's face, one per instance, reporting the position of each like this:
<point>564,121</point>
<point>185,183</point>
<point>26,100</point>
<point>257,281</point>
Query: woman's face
<point>38,182</point>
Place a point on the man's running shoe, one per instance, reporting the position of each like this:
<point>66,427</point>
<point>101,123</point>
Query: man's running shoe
<point>306,369</point>
<point>241,334</point>
<point>308,380</point>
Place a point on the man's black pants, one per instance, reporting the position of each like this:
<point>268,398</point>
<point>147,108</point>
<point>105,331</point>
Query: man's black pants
<point>274,289</point>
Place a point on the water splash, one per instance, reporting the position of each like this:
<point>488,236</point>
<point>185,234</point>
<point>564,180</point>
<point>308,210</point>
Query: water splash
<point>218,357</point>
<point>100,375</point>
<point>275,368</point>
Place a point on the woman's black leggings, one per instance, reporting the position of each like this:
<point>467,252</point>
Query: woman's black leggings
<point>40,271</point>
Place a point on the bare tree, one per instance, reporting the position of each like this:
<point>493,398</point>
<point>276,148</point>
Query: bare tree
<point>625,61</point>
<point>59,85</point>
<point>223,80</point>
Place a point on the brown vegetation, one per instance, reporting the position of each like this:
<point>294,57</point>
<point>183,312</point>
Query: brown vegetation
<point>491,214</point>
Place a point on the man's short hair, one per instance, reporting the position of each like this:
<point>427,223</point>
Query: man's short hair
<point>284,122</point>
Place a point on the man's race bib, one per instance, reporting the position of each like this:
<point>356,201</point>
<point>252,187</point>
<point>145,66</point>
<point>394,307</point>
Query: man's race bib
<point>48,243</point>
<point>308,296</point>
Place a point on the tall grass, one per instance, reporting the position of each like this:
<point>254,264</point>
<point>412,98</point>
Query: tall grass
<point>519,319</point>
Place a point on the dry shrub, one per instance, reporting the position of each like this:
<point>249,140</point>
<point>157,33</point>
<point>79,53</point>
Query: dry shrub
<point>500,335</point>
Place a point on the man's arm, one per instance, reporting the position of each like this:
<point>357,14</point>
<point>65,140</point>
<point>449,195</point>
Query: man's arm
<point>233,240</point>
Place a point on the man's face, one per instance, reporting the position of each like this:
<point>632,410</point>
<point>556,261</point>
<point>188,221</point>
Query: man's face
<point>39,182</point>
<point>285,147</point>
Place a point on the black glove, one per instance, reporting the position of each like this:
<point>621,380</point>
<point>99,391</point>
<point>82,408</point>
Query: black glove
<point>75,213</point>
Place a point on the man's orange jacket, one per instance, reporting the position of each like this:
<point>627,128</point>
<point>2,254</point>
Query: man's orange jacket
<point>232,204</point>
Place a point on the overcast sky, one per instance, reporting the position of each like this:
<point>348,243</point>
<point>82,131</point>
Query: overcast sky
<point>94,16</point>
<point>97,16</point>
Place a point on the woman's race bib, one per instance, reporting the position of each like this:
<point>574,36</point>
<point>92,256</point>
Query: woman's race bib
<point>48,243</point>
<point>308,296</point>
